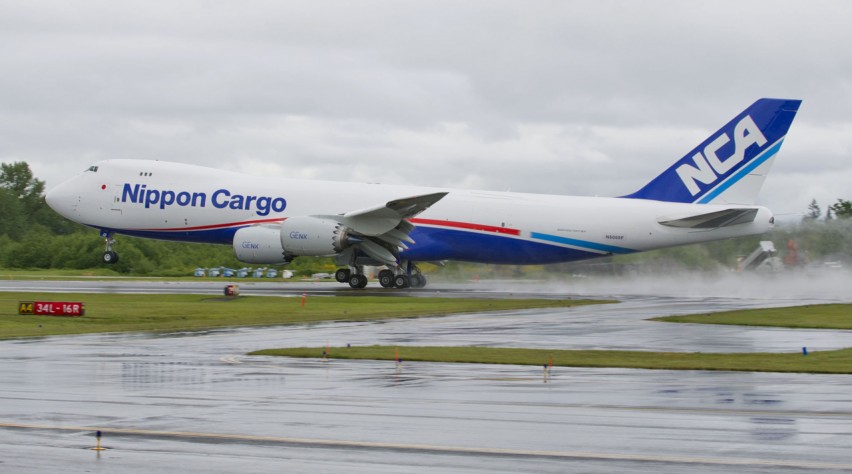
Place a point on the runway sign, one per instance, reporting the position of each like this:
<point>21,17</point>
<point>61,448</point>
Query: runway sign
<point>52,308</point>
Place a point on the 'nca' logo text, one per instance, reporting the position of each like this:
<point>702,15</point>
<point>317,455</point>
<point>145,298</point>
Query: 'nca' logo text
<point>709,166</point>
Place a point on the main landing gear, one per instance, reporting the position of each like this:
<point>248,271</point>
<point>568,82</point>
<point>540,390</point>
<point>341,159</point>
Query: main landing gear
<point>109,257</point>
<point>356,279</point>
<point>396,278</point>
<point>388,279</point>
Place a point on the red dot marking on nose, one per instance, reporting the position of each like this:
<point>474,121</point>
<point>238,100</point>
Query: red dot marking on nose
<point>103,186</point>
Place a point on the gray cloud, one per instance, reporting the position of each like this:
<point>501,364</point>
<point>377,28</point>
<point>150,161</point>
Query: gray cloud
<point>583,97</point>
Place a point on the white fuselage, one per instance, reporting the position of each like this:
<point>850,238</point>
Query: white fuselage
<point>190,203</point>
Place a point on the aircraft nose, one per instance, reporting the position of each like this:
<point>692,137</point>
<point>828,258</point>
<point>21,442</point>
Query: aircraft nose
<point>62,200</point>
<point>50,198</point>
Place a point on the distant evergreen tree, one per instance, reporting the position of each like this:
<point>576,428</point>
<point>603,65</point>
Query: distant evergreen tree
<point>814,211</point>
<point>842,209</point>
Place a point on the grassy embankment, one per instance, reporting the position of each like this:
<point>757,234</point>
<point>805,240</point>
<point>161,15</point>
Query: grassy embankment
<point>122,313</point>
<point>58,274</point>
<point>822,316</point>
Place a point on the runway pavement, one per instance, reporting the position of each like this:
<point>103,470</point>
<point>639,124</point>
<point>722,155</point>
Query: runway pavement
<point>194,402</point>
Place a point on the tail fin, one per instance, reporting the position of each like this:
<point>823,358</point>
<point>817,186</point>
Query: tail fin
<point>731,165</point>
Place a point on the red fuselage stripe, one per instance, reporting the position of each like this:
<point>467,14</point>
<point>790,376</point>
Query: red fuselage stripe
<point>433,222</point>
<point>467,225</point>
<point>218,226</point>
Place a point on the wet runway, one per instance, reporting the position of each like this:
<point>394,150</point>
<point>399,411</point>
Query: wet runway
<point>193,402</point>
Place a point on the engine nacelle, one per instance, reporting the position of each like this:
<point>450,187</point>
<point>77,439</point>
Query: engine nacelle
<point>259,245</point>
<point>297,236</point>
<point>313,236</point>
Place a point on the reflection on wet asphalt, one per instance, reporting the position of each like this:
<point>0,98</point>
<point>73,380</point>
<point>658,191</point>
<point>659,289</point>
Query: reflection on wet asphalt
<point>193,402</point>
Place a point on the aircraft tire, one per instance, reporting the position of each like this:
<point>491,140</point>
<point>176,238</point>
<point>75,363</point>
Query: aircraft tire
<point>110,257</point>
<point>342,275</point>
<point>401,281</point>
<point>418,281</point>
<point>358,281</point>
<point>386,278</point>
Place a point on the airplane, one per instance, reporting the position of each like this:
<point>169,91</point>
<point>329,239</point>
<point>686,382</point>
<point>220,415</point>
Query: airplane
<point>707,195</point>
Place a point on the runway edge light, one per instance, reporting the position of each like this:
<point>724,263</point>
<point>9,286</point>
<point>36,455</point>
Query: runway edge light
<point>98,446</point>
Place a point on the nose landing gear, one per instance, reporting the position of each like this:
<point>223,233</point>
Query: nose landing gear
<point>109,257</point>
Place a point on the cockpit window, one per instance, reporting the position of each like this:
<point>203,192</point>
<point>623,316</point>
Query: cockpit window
<point>93,169</point>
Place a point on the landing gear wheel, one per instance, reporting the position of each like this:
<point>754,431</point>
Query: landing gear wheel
<point>418,281</point>
<point>110,257</point>
<point>342,275</point>
<point>386,278</point>
<point>358,281</point>
<point>400,281</point>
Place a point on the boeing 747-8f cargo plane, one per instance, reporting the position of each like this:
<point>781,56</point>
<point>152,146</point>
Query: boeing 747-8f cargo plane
<point>708,194</point>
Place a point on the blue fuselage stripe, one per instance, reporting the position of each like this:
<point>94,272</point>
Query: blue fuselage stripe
<point>581,243</point>
<point>744,171</point>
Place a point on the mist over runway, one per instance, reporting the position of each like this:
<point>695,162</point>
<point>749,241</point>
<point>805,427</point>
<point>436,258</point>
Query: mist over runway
<point>194,402</point>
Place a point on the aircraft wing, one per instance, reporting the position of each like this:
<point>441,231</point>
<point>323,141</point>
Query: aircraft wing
<point>713,220</point>
<point>380,219</point>
<point>382,231</point>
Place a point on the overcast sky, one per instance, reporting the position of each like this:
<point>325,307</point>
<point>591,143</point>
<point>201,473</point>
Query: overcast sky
<point>564,97</point>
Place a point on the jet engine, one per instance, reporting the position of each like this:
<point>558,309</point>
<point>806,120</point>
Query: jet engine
<point>260,244</point>
<point>314,236</point>
<point>296,236</point>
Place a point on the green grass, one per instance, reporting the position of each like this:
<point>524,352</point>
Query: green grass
<point>120,313</point>
<point>826,362</point>
<point>826,316</point>
<point>58,274</point>
<point>833,316</point>
<point>109,274</point>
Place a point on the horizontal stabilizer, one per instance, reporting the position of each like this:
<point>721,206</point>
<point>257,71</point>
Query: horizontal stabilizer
<point>713,220</point>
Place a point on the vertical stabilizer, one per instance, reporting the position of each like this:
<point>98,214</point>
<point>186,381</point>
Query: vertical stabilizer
<point>730,166</point>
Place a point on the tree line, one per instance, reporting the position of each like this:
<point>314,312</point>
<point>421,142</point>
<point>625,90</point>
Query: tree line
<point>842,209</point>
<point>33,236</point>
